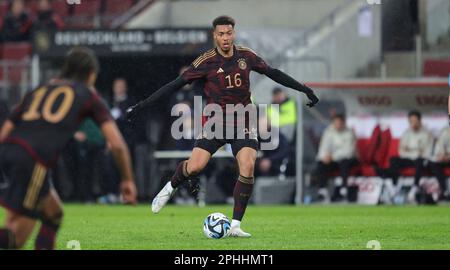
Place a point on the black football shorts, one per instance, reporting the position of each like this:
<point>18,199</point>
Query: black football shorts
<point>25,182</point>
<point>211,145</point>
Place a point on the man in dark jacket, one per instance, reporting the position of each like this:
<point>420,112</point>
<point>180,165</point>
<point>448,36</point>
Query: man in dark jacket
<point>17,23</point>
<point>47,19</point>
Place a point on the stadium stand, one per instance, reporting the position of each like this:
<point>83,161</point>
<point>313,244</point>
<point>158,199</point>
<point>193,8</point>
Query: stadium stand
<point>114,8</point>
<point>436,68</point>
<point>3,10</point>
<point>14,55</point>
<point>85,14</point>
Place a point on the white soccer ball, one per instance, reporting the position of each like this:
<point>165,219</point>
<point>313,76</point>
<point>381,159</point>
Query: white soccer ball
<point>216,226</point>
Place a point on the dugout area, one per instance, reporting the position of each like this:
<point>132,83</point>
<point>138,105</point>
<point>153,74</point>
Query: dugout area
<point>370,105</point>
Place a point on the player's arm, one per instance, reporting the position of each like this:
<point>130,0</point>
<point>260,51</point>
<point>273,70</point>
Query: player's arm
<point>121,155</point>
<point>7,127</point>
<point>171,87</point>
<point>260,66</point>
<point>98,111</point>
<point>286,80</point>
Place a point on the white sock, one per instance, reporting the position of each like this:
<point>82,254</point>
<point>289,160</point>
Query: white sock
<point>235,223</point>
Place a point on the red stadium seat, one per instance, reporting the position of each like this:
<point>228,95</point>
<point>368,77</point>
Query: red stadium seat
<point>392,150</point>
<point>384,150</point>
<point>370,148</point>
<point>436,67</point>
<point>61,8</point>
<point>16,50</point>
<point>3,10</point>
<point>361,147</point>
<point>14,74</point>
<point>87,8</point>
<point>115,7</point>
<point>365,168</point>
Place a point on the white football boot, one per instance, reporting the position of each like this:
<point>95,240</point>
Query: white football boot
<point>236,230</point>
<point>163,197</point>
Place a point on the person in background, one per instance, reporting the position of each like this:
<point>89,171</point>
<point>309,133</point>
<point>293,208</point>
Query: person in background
<point>186,143</point>
<point>17,23</point>
<point>47,19</point>
<point>90,146</point>
<point>415,149</point>
<point>441,161</point>
<point>287,119</point>
<point>120,102</point>
<point>270,162</point>
<point>180,101</point>
<point>337,152</point>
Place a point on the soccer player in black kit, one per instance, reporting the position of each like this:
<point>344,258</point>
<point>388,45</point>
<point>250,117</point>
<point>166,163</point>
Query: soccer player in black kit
<point>225,71</point>
<point>31,139</point>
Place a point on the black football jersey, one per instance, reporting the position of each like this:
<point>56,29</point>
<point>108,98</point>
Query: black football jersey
<point>47,118</point>
<point>226,80</point>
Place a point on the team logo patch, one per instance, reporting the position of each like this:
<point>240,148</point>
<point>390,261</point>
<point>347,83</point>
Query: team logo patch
<point>242,64</point>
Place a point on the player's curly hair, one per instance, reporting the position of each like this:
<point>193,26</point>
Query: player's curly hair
<point>79,63</point>
<point>223,20</point>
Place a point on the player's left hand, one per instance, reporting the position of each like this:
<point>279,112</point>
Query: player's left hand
<point>132,112</point>
<point>313,99</point>
<point>128,191</point>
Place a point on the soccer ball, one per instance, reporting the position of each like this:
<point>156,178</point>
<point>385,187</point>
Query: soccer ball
<point>216,226</point>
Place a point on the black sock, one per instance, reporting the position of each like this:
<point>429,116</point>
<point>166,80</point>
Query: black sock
<point>180,174</point>
<point>7,239</point>
<point>242,192</point>
<point>46,237</point>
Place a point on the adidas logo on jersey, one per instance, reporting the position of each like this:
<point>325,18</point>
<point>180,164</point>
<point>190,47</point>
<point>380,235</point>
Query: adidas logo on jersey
<point>220,71</point>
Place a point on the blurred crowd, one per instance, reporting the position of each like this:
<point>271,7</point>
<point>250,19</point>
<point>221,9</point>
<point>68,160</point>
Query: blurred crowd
<point>19,25</point>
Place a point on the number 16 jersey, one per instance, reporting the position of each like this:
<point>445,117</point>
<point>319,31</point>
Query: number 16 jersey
<point>226,79</point>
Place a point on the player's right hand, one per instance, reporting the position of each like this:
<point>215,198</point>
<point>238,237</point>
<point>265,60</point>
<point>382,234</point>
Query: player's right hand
<point>128,191</point>
<point>132,112</point>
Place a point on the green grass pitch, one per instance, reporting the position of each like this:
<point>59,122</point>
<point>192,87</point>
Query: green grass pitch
<point>273,227</point>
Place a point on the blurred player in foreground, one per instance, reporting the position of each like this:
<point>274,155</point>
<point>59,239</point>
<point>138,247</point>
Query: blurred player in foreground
<point>225,71</point>
<point>33,136</point>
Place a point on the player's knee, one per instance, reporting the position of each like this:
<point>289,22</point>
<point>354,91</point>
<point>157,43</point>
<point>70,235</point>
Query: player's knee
<point>194,168</point>
<point>53,219</point>
<point>246,167</point>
